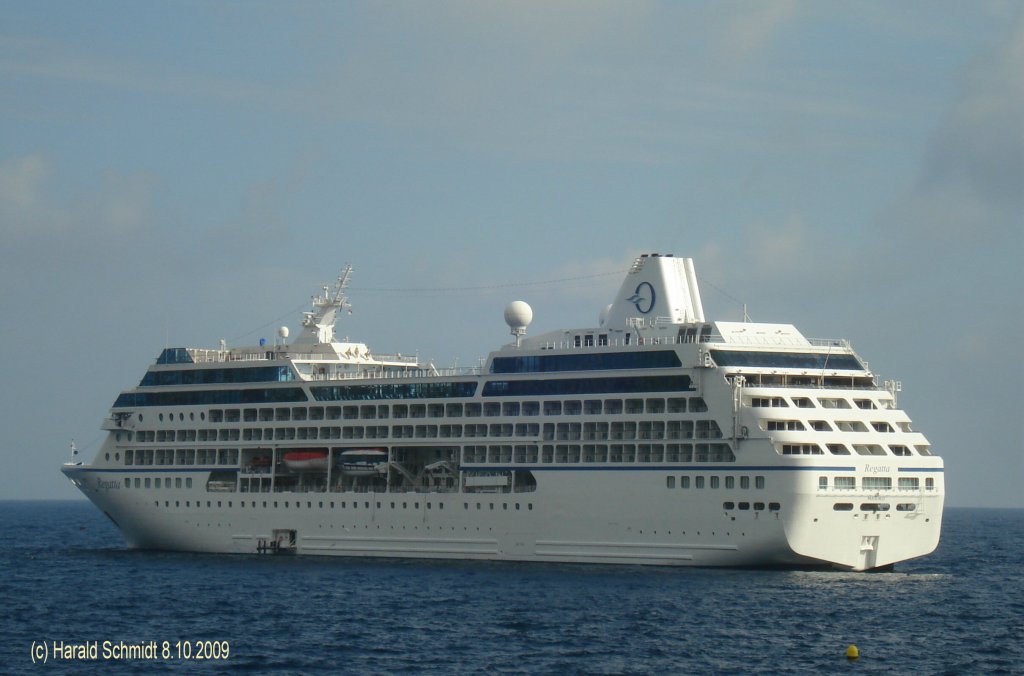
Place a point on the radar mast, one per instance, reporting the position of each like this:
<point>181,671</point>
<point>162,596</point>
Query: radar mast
<point>318,324</point>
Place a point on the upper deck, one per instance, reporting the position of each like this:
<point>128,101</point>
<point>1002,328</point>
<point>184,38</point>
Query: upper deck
<point>657,312</point>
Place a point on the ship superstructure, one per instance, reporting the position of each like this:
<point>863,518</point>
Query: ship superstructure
<point>656,437</point>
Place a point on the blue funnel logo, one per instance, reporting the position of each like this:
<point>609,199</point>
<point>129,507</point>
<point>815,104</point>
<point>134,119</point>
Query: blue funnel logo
<point>643,298</point>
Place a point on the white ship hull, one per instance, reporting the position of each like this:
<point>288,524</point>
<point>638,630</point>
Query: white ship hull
<point>592,516</point>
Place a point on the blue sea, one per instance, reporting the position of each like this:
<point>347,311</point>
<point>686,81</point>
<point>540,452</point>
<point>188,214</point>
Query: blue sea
<point>66,578</point>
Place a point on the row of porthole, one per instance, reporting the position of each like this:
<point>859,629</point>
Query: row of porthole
<point>181,416</point>
<point>758,506</point>
<point>714,482</point>
<point>874,507</point>
<point>156,483</point>
<point>344,504</point>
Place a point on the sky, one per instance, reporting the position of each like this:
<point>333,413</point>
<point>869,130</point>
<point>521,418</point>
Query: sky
<point>174,174</point>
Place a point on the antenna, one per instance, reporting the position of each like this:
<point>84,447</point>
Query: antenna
<point>894,387</point>
<point>518,315</point>
<point>318,324</point>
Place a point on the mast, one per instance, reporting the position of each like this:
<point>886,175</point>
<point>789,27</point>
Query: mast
<point>318,324</point>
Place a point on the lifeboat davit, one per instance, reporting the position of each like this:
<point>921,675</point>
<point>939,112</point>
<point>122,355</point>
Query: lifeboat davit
<point>306,460</point>
<point>364,461</point>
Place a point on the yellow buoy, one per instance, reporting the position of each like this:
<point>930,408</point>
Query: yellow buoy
<point>852,653</point>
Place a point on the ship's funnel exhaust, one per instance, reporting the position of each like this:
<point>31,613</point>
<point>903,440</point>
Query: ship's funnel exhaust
<point>660,287</point>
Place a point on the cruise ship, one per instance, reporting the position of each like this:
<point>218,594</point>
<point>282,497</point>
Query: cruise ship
<point>655,437</point>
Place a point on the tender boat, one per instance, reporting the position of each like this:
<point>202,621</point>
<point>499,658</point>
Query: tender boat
<point>364,462</point>
<point>306,460</point>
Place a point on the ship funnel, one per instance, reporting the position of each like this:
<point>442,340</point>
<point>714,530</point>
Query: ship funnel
<point>660,287</point>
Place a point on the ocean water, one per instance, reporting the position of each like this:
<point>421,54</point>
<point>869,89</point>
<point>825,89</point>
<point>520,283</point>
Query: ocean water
<point>65,576</point>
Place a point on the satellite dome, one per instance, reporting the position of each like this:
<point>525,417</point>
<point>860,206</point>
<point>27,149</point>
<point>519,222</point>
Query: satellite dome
<point>283,332</point>
<point>518,315</point>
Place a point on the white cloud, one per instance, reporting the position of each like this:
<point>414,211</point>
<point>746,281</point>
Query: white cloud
<point>971,183</point>
<point>41,59</point>
<point>750,28</point>
<point>21,183</point>
<point>34,210</point>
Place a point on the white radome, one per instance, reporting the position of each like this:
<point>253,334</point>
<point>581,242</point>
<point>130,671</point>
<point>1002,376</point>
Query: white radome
<point>518,314</point>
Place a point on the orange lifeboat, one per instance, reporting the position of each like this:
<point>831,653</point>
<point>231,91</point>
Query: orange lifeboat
<point>306,460</point>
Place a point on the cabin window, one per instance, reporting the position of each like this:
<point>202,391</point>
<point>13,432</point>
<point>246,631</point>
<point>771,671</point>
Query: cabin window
<point>877,483</point>
<point>670,482</point>
<point>784,425</point>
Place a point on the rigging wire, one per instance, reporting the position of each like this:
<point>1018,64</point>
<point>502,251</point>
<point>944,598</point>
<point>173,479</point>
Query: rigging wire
<point>466,289</point>
<point>428,290</point>
<point>487,287</point>
<point>705,281</point>
<point>270,323</point>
